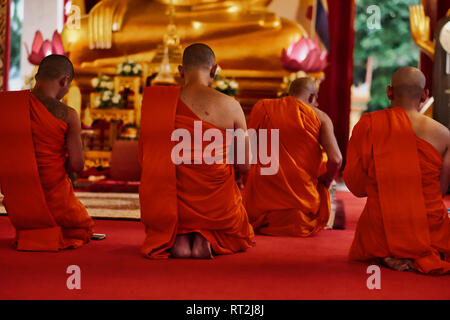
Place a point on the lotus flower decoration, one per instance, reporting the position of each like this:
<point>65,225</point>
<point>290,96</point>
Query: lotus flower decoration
<point>305,55</point>
<point>40,48</point>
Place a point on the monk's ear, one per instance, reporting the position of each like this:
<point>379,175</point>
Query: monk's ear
<point>425,95</point>
<point>213,71</point>
<point>181,71</point>
<point>390,92</point>
<point>64,81</point>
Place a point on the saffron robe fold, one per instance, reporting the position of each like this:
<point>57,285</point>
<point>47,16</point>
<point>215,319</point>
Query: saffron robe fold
<point>405,216</point>
<point>185,198</point>
<point>291,202</point>
<point>38,195</point>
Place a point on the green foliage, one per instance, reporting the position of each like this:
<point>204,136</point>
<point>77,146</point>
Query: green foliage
<point>391,46</point>
<point>16,36</point>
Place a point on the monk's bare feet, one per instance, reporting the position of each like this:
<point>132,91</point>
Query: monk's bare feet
<point>399,264</point>
<point>182,247</point>
<point>201,249</point>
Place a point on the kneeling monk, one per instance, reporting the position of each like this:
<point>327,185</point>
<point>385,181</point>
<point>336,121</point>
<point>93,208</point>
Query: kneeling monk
<point>39,136</point>
<point>295,201</point>
<point>400,160</point>
<point>190,208</point>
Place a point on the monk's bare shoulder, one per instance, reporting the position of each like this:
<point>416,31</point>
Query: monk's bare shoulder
<point>224,102</point>
<point>435,133</point>
<point>230,109</point>
<point>220,97</point>
<point>234,108</point>
<point>67,114</point>
<point>323,117</point>
<point>442,131</point>
<point>232,104</point>
<point>436,128</point>
<point>73,119</point>
<point>58,109</point>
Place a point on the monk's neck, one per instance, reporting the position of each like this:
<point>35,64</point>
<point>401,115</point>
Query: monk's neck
<point>45,92</point>
<point>408,106</point>
<point>195,84</point>
<point>197,78</point>
<point>302,99</point>
<point>412,113</point>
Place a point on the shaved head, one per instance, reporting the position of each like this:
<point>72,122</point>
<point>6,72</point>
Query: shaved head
<point>305,90</point>
<point>408,83</point>
<point>54,76</point>
<point>198,55</point>
<point>54,67</point>
<point>302,86</point>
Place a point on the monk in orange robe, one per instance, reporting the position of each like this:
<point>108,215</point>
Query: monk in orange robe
<point>295,201</point>
<point>191,208</point>
<point>39,136</point>
<point>400,160</point>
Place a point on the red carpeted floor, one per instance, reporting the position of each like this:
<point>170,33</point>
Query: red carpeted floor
<point>277,268</point>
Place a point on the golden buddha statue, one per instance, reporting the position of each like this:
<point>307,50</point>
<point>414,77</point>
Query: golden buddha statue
<point>243,33</point>
<point>420,29</point>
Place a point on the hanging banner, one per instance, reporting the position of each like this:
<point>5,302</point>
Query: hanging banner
<point>4,44</point>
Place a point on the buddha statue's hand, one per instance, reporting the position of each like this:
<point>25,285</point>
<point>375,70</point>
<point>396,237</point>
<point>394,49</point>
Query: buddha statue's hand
<point>420,28</point>
<point>105,18</point>
<point>420,24</point>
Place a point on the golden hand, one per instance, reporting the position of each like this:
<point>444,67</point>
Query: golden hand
<point>420,29</point>
<point>420,24</point>
<point>105,18</point>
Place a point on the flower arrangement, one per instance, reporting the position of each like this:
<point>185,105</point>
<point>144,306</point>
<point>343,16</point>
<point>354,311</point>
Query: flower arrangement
<point>129,131</point>
<point>30,80</point>
<point>129,68</point>
<point>287,80</point>
<point>227,86</point>
<point>102,83</point>
<point>106,97</point>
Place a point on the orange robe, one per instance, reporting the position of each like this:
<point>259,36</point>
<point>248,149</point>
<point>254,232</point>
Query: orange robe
<point>38,194</point>
<point>291,202</point>
<point>184,198</point>
<point>405,216</point>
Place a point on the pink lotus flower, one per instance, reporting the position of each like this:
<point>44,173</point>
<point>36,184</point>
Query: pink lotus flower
<point>40,48</point>
<point>304,55</point>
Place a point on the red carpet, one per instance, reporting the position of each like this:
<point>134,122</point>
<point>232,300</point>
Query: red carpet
<point>277,268</point>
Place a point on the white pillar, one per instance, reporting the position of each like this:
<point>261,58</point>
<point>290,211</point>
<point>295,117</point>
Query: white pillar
<point>44,15</point>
